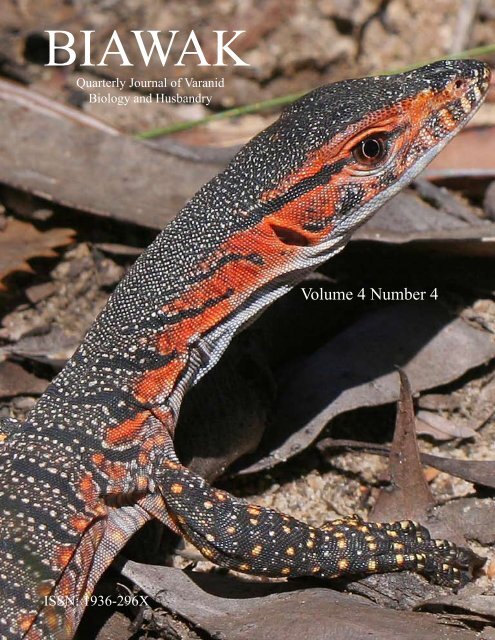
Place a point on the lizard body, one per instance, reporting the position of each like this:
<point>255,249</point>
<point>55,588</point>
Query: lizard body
<point>95,459</point>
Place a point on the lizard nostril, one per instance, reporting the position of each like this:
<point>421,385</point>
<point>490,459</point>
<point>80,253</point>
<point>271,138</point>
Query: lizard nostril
<point>459,84</point>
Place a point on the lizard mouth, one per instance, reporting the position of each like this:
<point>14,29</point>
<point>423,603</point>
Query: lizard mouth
<point>450,110</point>
<point>461,98</point>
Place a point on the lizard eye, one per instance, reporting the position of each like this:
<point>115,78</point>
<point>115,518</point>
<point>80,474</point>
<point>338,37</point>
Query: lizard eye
<point>370,151</point>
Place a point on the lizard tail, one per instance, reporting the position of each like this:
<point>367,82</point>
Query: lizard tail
<point>101,543</point>
<point>64,605</point>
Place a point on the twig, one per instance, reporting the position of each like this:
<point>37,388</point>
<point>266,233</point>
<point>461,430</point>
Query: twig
<point>465,21</point>
<point>281,101</point>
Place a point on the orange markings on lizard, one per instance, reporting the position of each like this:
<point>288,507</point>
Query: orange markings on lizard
<point>63,555</point>
<point>79,523</point>
<point>90,494</point>
<point>158,382</point>
<point>66,586</point>
<point>52,619</point>
<point>26,621</point>
<point>178,337</point>
<point>115,471</point>
<point>88,488</point>
<point>156,442</point>
<point>127,431</point>
<point>98,458</point>
<point>238,277</point>
<point>228,285</point>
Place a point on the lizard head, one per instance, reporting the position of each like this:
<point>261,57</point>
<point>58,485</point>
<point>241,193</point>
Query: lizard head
<point>292,196</point>
<point>358,143</point>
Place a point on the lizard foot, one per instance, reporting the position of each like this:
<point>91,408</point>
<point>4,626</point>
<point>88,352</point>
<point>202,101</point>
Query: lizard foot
<point>369,547</point>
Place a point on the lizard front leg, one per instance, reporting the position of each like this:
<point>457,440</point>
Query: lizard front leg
<point>262,541</point>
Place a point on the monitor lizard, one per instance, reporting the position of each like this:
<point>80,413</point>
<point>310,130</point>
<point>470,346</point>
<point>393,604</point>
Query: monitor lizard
<point>95,458</point>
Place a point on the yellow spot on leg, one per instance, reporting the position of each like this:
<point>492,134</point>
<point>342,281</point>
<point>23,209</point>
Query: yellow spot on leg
<point>420,561</point>
<point>176,488</point>
<point>343,565</point>
<point>256,550</point>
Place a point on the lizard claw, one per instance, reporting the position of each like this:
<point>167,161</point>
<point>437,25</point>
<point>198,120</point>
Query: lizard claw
<point>404,545</point>
<point>453,567</point>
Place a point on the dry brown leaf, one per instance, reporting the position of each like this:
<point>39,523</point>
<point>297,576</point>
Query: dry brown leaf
<point>471,151</point>
<point>441,428</point>
<point>21,241</point>
<point>15,381</point>
<point>421,339</point>
<point>78,169</point>
<point>408,496</point>
<point>223,607</point>
<point>430,218</point>
<point>472,603</point>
